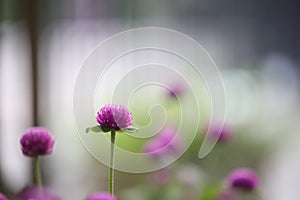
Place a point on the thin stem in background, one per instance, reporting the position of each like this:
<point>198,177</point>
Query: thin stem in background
<point>32,23</point>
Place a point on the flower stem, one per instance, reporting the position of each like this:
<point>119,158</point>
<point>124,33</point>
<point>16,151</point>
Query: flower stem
<point>111,166</point>
<point>37,172</point>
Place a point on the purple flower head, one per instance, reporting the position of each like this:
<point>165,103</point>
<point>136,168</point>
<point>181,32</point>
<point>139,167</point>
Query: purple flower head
<point>226,195</point>
<point>167,138</point>
<point>164,143</point>
<point>100,196</point>
<point>154,149</point>
<point>37,194</point>
<point>37,141</point>
<point>225,134</point>
<point>115,117</point>
<point>2,197</point>
<point>189,175</point>
<point>161,177</point>
<point>243,178</point>
<point>175,90</point>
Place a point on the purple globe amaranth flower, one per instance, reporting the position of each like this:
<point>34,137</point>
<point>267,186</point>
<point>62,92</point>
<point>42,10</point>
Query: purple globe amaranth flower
<point>36,193</point>
<point>175,90</point>
<point>100,196</point>
<point>189,175</point>
<point>2,197</point>
<point>115,117</point>
<point>37,141</point>
<point>153,149</point>
<point>226,194</point>
<point>161,177</point>
<point>165,143</point>
<point>214,132</point>
<point>243,178</point>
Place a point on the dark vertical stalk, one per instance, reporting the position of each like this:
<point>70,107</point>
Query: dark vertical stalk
<point>32,23</point>
<point>1,178</point>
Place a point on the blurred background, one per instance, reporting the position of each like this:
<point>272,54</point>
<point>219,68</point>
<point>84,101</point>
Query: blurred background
<point>255,44</point>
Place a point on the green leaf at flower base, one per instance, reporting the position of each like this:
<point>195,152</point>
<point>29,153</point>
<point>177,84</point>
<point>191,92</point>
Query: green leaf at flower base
<point>131,129</point>
<point>105,129</point>
<point>96,129</point>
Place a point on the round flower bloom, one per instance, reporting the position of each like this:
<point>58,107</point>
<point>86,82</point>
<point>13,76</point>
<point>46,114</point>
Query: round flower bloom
<point>243,178</point>
<point>226,195</point>
<point>100,196</point>
<point>36,193</point>
<point>2,197</point>
<point>37,141</point>
<point>167,138</point>
<point>189,175</point>
<point>175,90</point>
<point>223,136</point>
<point>115,117</point>
<point>161,177</point>
<point>154,149</point>
<point>163,144</point>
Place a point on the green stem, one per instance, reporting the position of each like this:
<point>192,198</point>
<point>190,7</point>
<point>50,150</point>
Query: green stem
<point>111,166</point>
<point>37,172</point>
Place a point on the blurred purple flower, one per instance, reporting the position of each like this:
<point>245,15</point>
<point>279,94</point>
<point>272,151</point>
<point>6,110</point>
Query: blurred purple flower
<point>161,177</point>
<point>189,175</point>
<point>37,141</point>
<point>2,197</point>
<point>154,149</point>
<point>224,136</point>
<point>35,193</point>
<point>175,90</point>
<point>100,196</point>
<point>163,144</point>
<point>243,178</point>
<point>226,195</point>
<point>114,117</point>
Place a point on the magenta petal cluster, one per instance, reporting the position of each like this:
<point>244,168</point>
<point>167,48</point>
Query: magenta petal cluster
<point>243,178</point>
<point>37,194</point>
<point>100,196</point>
<point>224,136</point>
<point>115,117</point>
<point>226,195</point>
<point>175,90</point>
<point>37,141</point>
<point>161,177</point>
<point>163,144</point>
<point>2,197</point>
